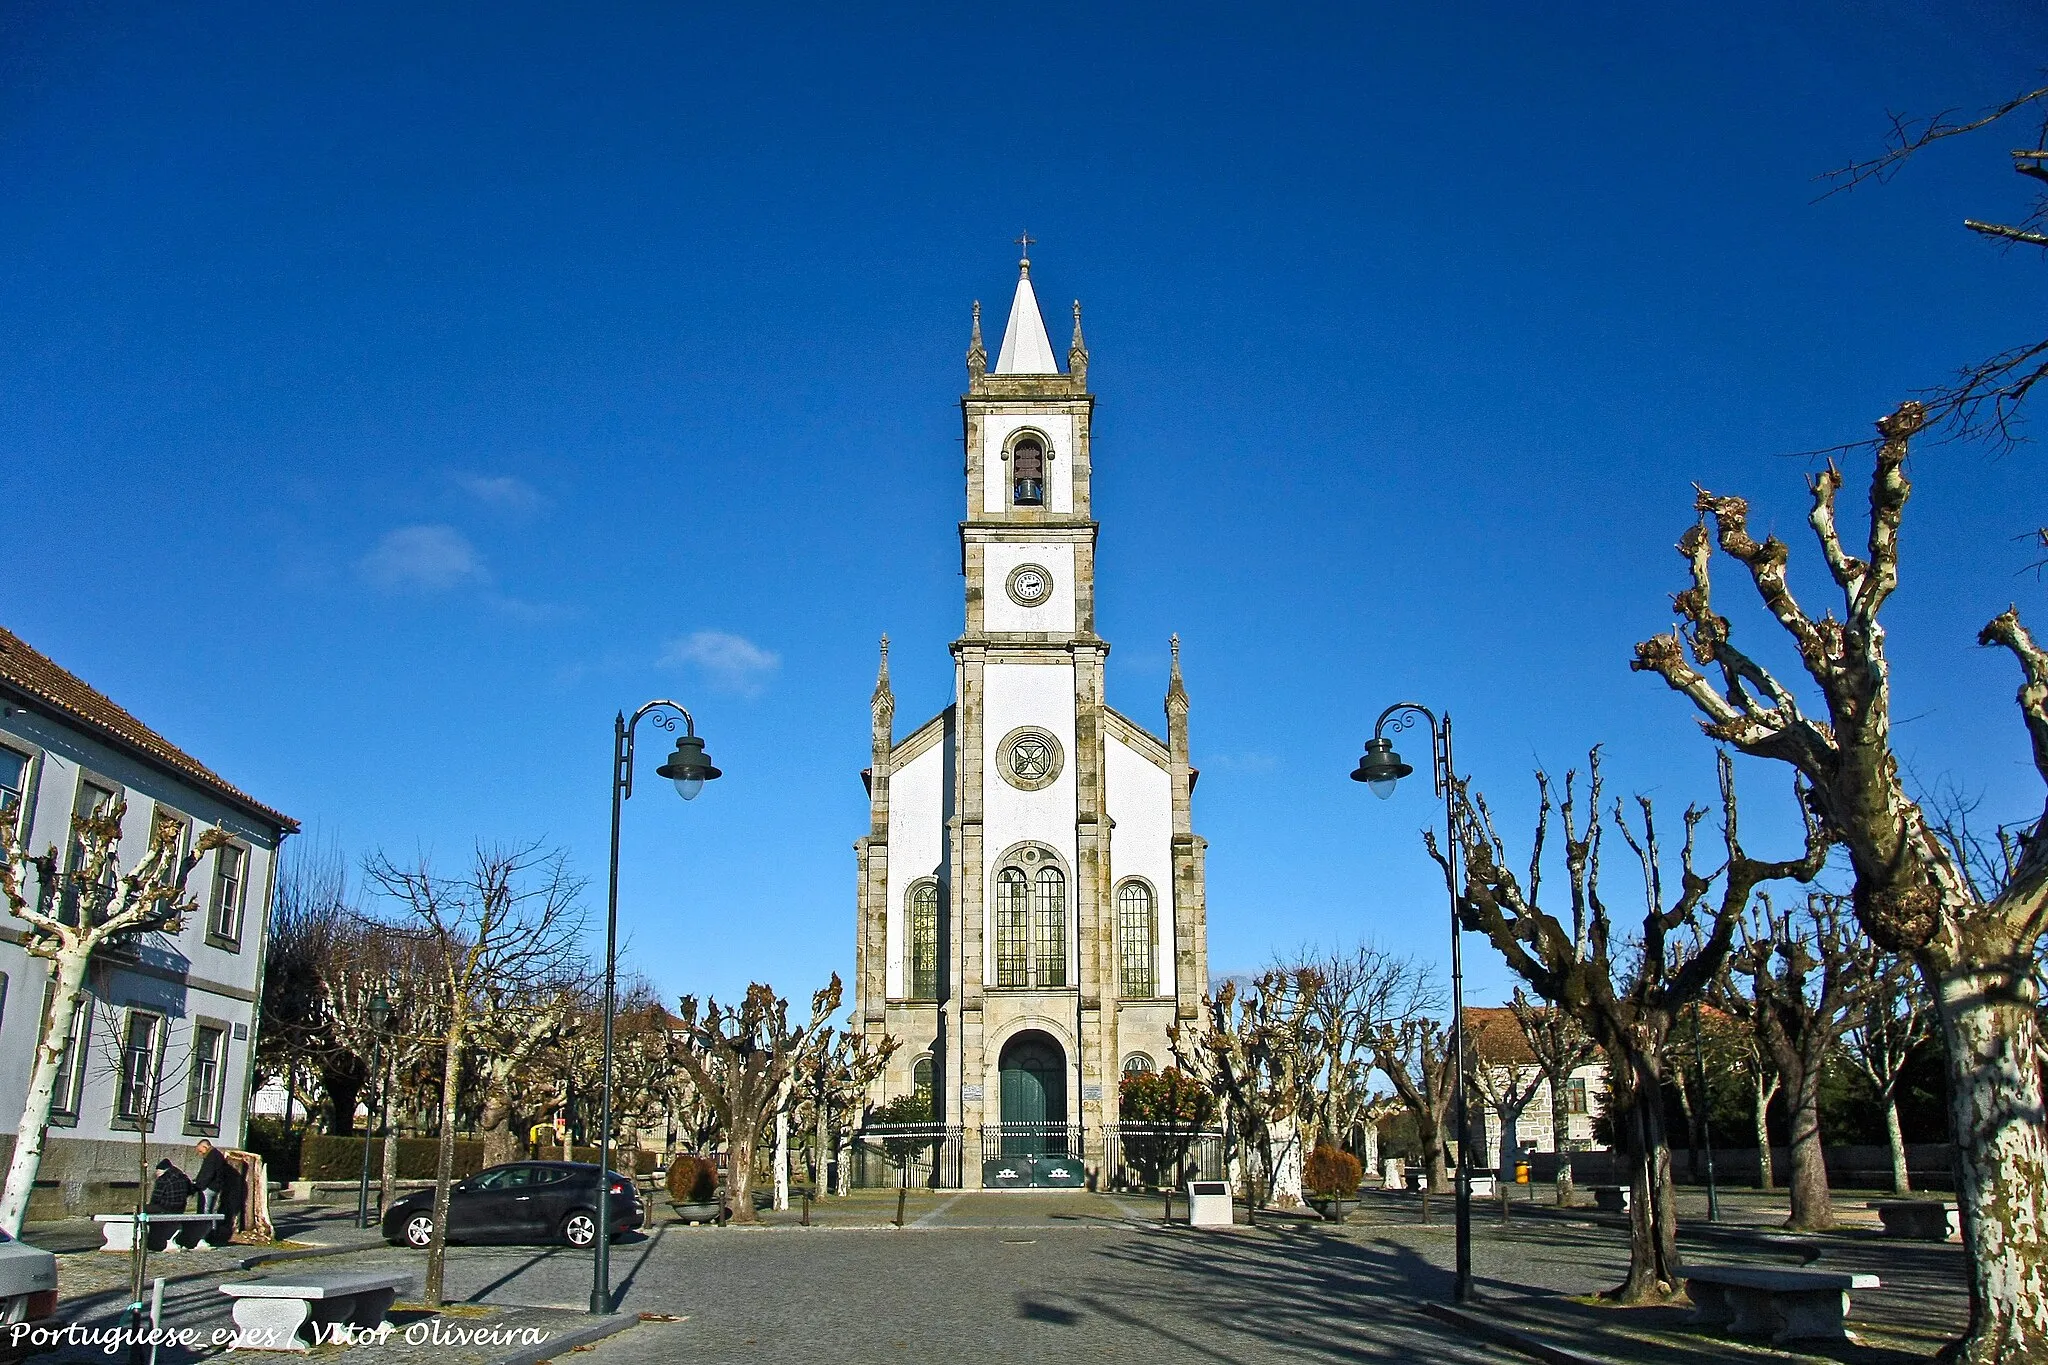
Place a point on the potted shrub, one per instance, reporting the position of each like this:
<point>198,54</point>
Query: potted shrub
<point>1331,1176</point>
<point>693,1188</point>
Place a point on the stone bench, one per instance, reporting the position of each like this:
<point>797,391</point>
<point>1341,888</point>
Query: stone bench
<point>1611,1198</point>
<point>1924,1220</point>
<point>298,1312</point>
<point>1483,1184</point>
<point>1786,1305</point>
<point>117,1230</point>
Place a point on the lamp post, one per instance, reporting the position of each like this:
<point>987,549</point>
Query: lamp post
<point>1380,769</point>
<point>1699,1063</point>
<point>689,767</point>
<point>379,1010</point>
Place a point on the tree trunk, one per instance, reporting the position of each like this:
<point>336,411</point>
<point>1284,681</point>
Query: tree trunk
<point>1812,1210</point>
<point>387,1189</point>
<point>1764,1175</point>
<point>1987,1022</point>
<point>782,1158</point>
<point>1510,1141</point>
<point>1902,1180</point>
<point>1561,1136</point>
<point>820,1148</point>
<point>33,1131</point>
<point>444,1170</point>
<point>739,1168</point>
<point>501,1143</point>
<point>1654,1271</point>
<point>341,1080</point>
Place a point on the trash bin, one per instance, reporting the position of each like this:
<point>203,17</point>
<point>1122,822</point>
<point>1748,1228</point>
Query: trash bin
<point>1209,1204</point>
<point>1521,1172</point>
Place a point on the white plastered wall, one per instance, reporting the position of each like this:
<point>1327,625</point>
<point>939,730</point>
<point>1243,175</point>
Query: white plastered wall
<point>1014,695</point>
<point>1059,463</point>
<point>1140,798</point>
<point>1001,612</point>
<point>917,848</point>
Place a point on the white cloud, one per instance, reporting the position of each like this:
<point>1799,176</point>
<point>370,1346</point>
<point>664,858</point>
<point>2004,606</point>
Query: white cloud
<point>731,663</point>
<point>423,559</point>
<point>501,492</point>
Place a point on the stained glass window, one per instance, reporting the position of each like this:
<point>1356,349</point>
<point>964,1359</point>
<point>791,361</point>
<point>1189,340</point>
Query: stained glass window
<point>1013,928</point>
<point>1050,941</point>
<point>1135,931</point>
<point>924,941</point>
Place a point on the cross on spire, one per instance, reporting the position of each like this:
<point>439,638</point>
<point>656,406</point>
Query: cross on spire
<point>1025,242</point>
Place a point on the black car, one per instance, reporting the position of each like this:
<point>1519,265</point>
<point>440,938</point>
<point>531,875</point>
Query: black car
<point>525,1201</point>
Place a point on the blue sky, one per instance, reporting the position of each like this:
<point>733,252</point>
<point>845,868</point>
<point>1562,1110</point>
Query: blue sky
<point>388,394</point>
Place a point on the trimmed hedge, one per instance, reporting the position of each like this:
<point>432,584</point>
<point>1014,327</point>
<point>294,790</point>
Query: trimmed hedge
<point>323,1156</point>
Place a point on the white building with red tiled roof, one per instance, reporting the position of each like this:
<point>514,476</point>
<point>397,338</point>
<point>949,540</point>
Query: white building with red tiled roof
<point>168,1028</point>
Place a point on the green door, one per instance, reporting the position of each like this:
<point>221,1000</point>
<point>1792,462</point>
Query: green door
<point>1034,1092</point>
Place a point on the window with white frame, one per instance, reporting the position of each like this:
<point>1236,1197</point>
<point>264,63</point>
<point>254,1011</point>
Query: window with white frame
<point>230,890</point>
<point>135,1100</point>
<point>924,941</point>
<point>14,771</point>
<point>70,1070</point>
<point>207,1086</point>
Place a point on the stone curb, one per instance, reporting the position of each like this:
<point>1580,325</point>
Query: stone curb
<point>562,1345</point>
<point>1534,1347</point>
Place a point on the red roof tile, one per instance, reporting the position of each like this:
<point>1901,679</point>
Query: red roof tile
<point>33,674</point>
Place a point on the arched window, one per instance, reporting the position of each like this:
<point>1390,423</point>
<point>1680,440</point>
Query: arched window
<point>1137,1064</point>
<point>1050,939</point>
<point>924,941</point>
<point>921,1078</point>
<point>1136,929</point>
<point>1013,928</point>
<point>1027,473</point>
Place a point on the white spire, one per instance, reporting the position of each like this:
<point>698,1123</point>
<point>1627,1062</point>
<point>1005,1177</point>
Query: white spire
<point>1026,347</point>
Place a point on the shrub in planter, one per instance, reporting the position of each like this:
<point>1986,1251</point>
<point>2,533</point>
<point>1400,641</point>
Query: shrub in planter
<point>692,1180</point>
<point>1332,1173</point>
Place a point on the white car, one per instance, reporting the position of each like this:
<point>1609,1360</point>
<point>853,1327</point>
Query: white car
<point>28,1282</point>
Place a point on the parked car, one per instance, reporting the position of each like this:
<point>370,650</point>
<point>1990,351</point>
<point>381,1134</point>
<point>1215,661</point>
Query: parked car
<point>28,1282</point>
<point>523,1201</point>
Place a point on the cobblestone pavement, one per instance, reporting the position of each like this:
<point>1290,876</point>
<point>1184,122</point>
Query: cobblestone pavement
<point>1017,1277</point>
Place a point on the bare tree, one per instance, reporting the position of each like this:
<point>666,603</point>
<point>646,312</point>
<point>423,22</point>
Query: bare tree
<point>1628,1005</point>
<point>1893,1021</point>
<point>1985,398</point>
<point>90,906</point>
<point>1974,946</point>
<point>1561,1046</point>
<point>833,1081</point>
<point>1806,972</point>
<point>510,924</point>
<point>1250,1055</point>
<point>742,1059</point>
<point>1350,994</point>
<point>1415,1054</point>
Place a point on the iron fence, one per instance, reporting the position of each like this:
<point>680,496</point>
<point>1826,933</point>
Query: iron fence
<point>1138,1156</point>
<point>923,1155</point>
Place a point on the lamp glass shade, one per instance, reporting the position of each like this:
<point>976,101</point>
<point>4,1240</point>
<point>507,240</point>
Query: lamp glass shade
<point>1380,768</point>
<point>689,767</point>
<point>380,1010</point>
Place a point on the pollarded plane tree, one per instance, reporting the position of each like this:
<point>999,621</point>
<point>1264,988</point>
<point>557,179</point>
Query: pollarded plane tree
<point>1353,992</point>
<point>1975,947</point>
<point>1251,1053</point>
<point>1560,1045</point>
<point>511,924</point>
<point>1796,978</point>
<point>1626,993</point>
<point>832,1082</point>
<point>1412,1049</point>
<point>742,1059</point>
<point>1893,1021</point>
<point>70,919</point>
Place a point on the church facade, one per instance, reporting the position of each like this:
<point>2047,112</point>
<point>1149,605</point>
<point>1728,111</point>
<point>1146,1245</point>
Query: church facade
<point>1031,911</point>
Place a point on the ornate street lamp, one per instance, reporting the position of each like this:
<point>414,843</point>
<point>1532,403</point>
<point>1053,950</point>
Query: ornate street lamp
<point>379,1010</point>
<point>1380,768</point>
<point>689,767</point>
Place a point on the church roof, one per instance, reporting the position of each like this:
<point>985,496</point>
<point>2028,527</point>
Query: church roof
<point>1026,347</point>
